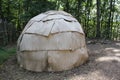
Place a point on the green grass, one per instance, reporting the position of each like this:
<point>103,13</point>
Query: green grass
<point>6,53</point>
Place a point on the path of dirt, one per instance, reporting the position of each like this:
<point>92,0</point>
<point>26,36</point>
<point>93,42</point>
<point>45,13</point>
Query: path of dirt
<point>103,64</point>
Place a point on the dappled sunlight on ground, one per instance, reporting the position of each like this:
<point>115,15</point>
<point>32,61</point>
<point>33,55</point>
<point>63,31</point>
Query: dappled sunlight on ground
<point>112,54</point>
<point>76,77</point>
<point>118,44</point>
<point>113,50</point>
<point>112,58</point>
<point>94,75</point>
<point>103,64</point>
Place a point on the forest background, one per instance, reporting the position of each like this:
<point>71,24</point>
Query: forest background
<point>100,19</point>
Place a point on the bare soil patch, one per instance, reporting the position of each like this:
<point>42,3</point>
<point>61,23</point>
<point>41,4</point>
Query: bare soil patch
<point>103,64</point>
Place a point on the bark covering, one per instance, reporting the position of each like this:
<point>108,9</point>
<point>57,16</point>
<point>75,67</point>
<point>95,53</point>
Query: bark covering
<point>52,41</point>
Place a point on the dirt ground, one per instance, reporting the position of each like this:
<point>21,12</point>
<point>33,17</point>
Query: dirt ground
<point>103,64</point>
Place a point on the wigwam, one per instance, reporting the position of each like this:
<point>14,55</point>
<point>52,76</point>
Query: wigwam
<point>52,41</point>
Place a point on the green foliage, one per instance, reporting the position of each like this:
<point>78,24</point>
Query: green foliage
<point>19,12</point>
<point>35,7</point>
<point>6,53</point>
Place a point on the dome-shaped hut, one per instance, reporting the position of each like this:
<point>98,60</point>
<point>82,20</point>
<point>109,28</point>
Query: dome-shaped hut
<point>52,41</point>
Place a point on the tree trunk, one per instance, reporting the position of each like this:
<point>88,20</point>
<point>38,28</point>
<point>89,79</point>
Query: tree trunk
<point>67,6</point>
<point>1,13</point>
<point>98,19</point>
<point>109,20</point>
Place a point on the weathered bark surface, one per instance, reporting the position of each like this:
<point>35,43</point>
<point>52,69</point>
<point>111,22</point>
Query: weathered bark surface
<point>52,41</point>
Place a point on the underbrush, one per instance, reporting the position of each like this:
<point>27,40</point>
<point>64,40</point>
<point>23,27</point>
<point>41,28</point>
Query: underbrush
<point>5,53</point>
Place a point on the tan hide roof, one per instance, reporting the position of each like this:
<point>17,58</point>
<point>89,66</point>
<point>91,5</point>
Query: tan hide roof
<point>52,22</point>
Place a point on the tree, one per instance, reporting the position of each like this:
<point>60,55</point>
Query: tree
<point>98,19</point>
<point>109,20</point>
